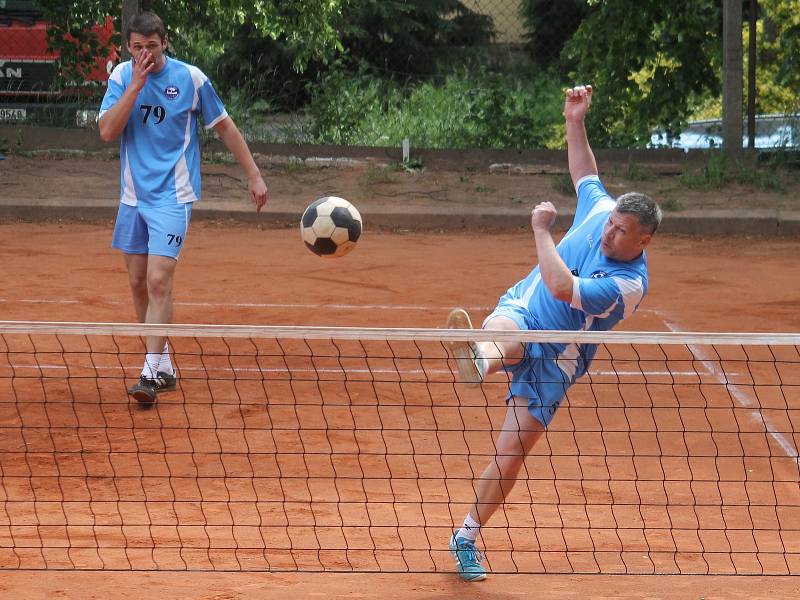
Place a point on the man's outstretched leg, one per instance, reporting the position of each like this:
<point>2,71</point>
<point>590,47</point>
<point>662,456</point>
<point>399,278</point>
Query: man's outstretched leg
<point>464,353</point>
<point>519,435</point>
<point>475,360</point>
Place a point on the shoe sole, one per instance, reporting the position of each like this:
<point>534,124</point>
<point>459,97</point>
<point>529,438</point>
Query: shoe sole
<point>143,398</point>
<point>169,388</point>
<point>463,352</point>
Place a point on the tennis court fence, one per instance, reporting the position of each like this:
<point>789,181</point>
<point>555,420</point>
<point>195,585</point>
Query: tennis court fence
<point>344,449</point>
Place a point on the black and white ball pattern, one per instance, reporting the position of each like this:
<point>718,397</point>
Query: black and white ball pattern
<point>330,226</point>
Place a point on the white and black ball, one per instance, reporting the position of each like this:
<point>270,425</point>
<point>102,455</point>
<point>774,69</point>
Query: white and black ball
<point>330,226</point>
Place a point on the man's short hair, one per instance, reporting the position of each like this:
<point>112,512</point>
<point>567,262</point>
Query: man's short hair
<point>643,207</point>
<point>146,24</point>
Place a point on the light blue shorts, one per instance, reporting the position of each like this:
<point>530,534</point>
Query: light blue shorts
<point>537,376</point>
<point>156,230</point>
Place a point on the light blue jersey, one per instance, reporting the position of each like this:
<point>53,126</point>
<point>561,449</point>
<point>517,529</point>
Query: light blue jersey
<point>159,150</point>
<point>604,293</point>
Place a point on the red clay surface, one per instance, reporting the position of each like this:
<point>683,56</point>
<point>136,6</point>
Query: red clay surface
<point>244,275</point>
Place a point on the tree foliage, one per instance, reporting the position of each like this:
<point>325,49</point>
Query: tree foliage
<point>70,35</point>
<point>307,27</point>
<point>389,39</point>
<point>409,37</point>
<point>649,60</point>
<point>778,58</point>
<point>549,25</point>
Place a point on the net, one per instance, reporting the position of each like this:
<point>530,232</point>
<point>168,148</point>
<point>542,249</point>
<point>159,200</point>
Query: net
<point>339,449</point>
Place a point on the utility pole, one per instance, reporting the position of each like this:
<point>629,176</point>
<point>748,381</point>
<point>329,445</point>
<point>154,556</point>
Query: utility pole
<point>751,76</point>
<point>732,92</point>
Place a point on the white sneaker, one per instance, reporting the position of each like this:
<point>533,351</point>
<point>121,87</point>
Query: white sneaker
<point>464,353</point>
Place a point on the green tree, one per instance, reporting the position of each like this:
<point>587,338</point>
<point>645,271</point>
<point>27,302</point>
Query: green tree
<point>386,39</point>
<point>70,34</point>
<point>399,38</point>
<point>307,27</point>
<point>549,25</point>
<point>649,61</point>
<point>778,59</point>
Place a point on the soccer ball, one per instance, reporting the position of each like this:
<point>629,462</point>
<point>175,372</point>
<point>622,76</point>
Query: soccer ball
<point>330,226</point>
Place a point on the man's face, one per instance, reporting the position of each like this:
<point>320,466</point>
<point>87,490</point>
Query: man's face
<point>141,46</point>
<point>623,237</point>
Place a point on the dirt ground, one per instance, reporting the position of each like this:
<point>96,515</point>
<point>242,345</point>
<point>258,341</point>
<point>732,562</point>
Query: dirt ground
<point>249,273</point>
<point>376,185</point>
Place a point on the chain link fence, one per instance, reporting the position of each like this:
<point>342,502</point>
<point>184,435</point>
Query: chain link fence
<point>484,73</point>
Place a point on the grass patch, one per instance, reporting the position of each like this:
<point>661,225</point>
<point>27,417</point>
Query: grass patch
<point>719,171</point>
<point>412,165</point>
<point>563,184</point>
<point>375,175</point>
<point>635,172</point>
<point>467,109</point>
<point>670,205</point>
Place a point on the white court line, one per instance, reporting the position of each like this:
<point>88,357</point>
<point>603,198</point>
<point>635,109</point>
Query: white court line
<point>756,414</point>
<point>274,305</point>
<point>325,370</point>
<point>267,305</point>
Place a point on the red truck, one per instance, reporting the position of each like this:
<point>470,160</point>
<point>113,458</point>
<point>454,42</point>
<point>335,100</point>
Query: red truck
<point>28,69</point>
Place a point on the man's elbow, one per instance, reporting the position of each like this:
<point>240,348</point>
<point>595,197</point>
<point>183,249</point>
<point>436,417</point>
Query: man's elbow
<point>561,290</point>
<point>106,134</point>
<point>565,295</point>
<point>223,127</point>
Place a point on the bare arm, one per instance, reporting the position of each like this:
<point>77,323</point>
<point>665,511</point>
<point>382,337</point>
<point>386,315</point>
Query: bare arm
<point>579,153</point>
<point>115,118</point>
<point>555,273</point>
<point>233,140</point>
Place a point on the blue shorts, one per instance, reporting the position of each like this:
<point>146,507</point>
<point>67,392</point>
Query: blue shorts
<point>157,230</point>
<point>536,377</point>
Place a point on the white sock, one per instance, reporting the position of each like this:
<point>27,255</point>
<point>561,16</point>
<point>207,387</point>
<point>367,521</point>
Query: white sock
<point>165,364</point>
<point>151,360</point>
<point>470,529</point>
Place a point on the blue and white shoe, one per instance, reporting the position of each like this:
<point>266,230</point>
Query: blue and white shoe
<point>468,559</point>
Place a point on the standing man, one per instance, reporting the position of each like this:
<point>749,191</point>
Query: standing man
<point>594,278</point>
<point>154,102</point>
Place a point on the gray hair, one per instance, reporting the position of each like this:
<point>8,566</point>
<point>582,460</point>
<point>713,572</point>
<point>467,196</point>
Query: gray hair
<point>643,207</point>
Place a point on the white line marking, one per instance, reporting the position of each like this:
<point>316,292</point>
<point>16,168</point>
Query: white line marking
<point>739,397</point>
<point>21,367</point>
<point>266,305</point>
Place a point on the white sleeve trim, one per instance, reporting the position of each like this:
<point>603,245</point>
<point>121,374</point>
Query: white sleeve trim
<point>576,294</point>
<point>593,177</point>
<point>220,118</point>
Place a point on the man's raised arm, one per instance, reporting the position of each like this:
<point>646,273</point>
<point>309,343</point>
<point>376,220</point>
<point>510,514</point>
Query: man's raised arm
<point>579,154</point>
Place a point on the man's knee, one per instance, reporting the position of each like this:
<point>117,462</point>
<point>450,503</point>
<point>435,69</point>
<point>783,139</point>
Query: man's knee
<point>509,460</point>
<point>159,284</point>
<point>138,282</point>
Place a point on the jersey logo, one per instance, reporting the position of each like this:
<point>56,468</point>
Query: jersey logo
<point>598,274</point>
<point>172,92</point>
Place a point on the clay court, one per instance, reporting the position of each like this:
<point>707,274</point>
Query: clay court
<point>247,275</point>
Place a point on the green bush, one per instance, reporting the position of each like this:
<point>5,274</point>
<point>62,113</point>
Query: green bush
<point>718,172</point>
<point>466,110</point>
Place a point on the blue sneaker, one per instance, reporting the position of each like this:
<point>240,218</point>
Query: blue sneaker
<point>468,559</point>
